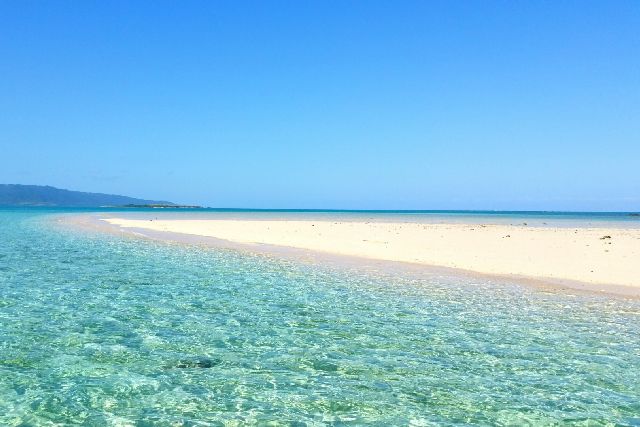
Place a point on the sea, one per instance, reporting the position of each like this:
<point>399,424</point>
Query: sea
<point>98,329</point>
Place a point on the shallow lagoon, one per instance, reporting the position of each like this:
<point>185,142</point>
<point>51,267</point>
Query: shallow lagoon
<point>96,329</point>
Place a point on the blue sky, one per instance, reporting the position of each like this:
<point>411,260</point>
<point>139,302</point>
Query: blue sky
<point>326,104</point>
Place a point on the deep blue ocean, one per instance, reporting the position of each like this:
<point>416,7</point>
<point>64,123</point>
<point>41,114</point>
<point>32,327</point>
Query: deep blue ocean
<point>97,329</point>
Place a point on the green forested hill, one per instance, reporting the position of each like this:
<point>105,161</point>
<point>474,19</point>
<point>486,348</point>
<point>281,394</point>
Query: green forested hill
<point>40,195</point>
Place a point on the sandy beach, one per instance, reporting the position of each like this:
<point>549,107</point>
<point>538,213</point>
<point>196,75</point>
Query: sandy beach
<point>596,256</point>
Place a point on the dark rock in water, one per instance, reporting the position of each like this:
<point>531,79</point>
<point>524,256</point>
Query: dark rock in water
<point>202,363</point>
<point>634,214</point>
<point>324,365</point>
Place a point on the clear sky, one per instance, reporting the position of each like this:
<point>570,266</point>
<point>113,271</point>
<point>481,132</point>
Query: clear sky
<point>326,104</point>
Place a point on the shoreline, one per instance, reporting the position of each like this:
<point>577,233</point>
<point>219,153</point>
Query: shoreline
<point>105,223</point>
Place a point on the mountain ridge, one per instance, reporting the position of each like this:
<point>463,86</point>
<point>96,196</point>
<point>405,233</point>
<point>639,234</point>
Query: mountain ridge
<point>46,195</point>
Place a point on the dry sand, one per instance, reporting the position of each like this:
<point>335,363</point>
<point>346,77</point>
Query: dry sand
<point>605,256</point>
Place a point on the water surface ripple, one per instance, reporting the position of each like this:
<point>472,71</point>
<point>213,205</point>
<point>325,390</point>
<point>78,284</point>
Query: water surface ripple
<point>99,330</point>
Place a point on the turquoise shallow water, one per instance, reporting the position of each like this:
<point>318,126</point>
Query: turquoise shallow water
<point>98,330</point>
<point>532,219</point>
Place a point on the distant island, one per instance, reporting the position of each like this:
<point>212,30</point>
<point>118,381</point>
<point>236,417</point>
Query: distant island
<point>44,195</point>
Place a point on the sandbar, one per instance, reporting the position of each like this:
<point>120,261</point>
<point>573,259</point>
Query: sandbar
<point>597,256</point>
